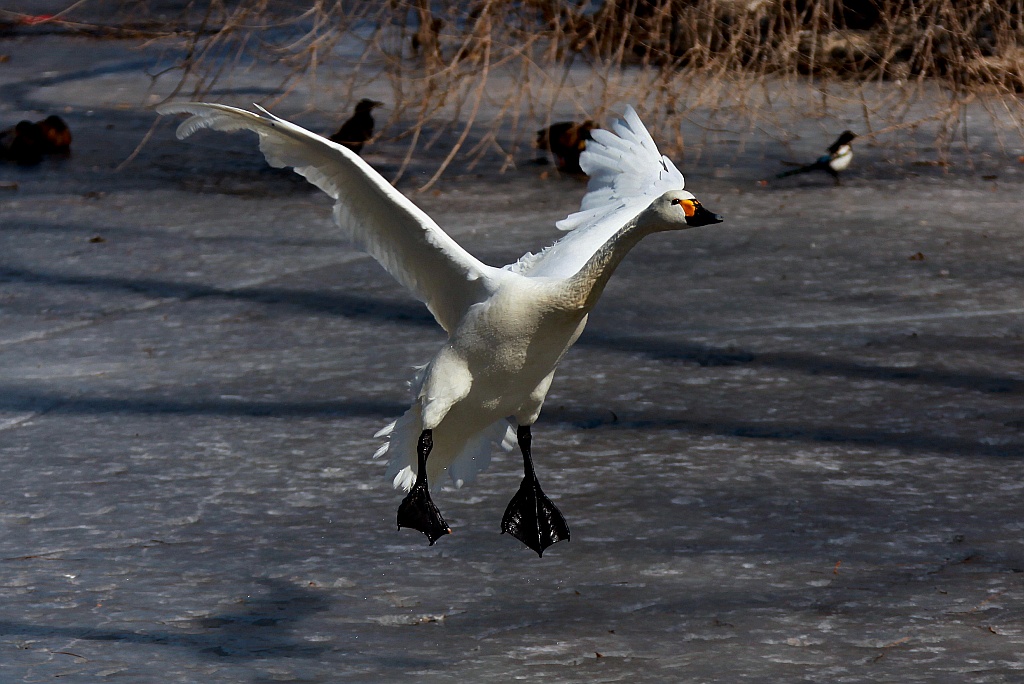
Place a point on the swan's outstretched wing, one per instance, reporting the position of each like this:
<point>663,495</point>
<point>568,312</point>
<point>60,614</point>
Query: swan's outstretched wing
<point>378,218</point>
<point>627,173</point>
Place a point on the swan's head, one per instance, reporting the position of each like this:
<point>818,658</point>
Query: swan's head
<point>678,209</point>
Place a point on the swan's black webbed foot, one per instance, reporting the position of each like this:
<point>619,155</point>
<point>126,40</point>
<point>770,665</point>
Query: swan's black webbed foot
<point>417,509</point>
<point>419,512</point>
<point>531,517</point>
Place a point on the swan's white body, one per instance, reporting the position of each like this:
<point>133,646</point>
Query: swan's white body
<point>507,327</point>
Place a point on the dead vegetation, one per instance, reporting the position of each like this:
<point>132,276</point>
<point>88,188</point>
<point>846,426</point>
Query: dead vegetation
<point>483,75</point>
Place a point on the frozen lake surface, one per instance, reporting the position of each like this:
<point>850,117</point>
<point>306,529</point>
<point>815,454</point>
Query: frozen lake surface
<point>789,448</point>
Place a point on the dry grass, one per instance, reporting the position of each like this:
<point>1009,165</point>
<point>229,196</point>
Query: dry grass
<point>480,76</point>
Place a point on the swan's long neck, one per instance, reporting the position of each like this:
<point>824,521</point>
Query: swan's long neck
<point>586,286</point>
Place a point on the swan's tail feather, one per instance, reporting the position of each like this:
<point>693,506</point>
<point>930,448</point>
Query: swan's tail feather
<point>385,431</point>
<point>475,457</point>
<point>463,458</point>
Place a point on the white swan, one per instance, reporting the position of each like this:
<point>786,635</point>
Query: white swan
<point>507,327</point>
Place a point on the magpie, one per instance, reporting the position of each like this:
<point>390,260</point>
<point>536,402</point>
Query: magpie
<point>354,133</point>
<point>839,156</point>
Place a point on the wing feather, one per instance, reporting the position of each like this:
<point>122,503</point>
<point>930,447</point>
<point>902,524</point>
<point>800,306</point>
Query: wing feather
<point>627,173</point>
<point>378,218</point>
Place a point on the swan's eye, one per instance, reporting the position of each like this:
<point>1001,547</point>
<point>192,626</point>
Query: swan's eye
<point>689,206</point>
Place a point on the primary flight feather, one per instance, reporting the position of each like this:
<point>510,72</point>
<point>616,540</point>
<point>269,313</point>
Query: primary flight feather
<point>507,327</point>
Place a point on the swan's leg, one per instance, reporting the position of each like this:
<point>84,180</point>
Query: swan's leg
<point>531,517</point>
<point>417,509</point>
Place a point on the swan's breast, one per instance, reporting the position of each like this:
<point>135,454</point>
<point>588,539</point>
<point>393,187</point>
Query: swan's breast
<point>523,328</point>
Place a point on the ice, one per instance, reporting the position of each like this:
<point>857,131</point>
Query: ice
<point>786,451</point>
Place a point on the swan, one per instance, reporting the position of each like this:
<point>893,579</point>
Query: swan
<point>507,327</point>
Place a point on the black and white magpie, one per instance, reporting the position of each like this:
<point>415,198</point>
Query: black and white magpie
<point>839,156</point>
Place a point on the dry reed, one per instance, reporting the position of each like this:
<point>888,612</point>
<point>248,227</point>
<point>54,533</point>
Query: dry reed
<point>478,77</point>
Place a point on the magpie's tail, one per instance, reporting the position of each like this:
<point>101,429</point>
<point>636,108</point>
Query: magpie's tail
<point>793,172</point>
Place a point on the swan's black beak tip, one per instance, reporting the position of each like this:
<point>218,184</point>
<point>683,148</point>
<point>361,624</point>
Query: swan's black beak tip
<point>703,217</point>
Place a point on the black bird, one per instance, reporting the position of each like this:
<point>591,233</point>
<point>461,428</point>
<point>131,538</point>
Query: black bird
<point>23,144</point>
<point>354,133</point>
<point>27,142</point>
<point>566,140</point>
<point>56,135</point>
<point>839,156</point>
